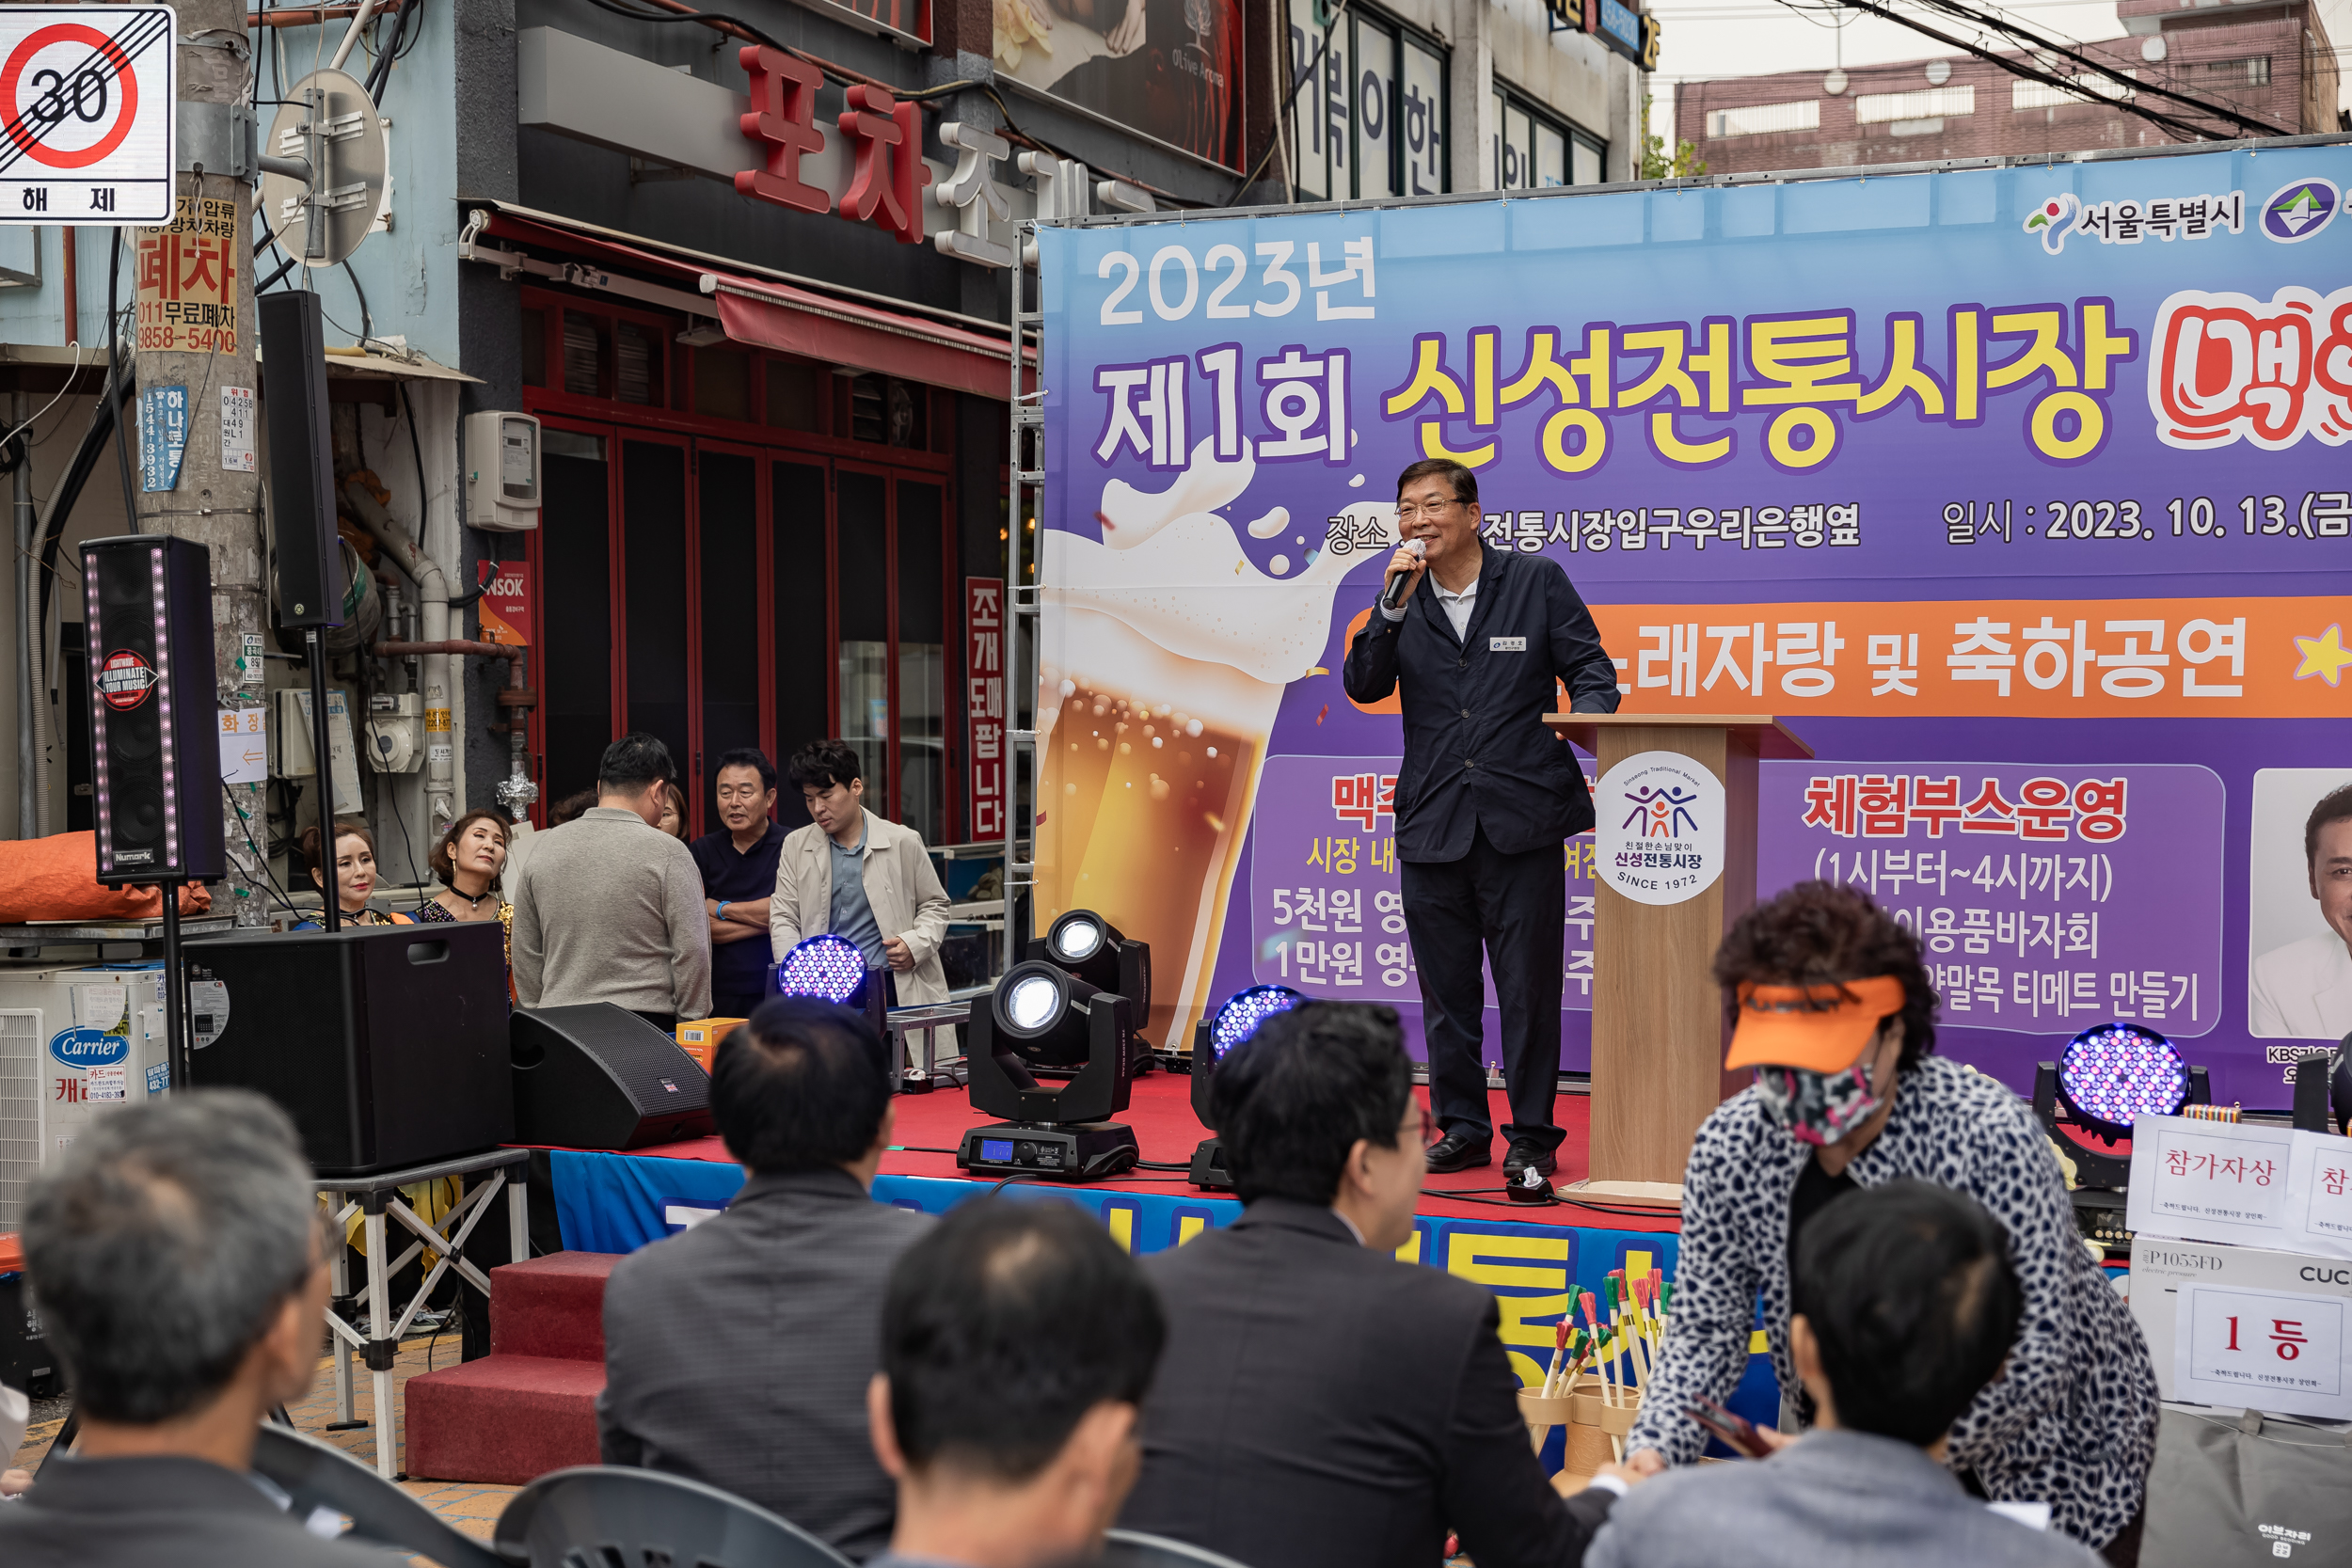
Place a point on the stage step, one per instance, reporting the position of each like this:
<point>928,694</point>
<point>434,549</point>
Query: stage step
<point>507,1419</point>
<point>530,1406</point>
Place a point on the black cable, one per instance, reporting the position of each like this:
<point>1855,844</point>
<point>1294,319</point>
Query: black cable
<point>270,876</point>
<point>367,321</point>
<point>115,367</point>
<point>1164,1164</point>
<point>919,1148</point>
<point>1274,138</point>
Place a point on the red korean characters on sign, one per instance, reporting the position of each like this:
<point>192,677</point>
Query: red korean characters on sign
<point>984,702</point>
<point>884,135</point>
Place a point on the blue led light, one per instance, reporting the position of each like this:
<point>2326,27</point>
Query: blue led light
<point>1245,1010</point>
<point>2115,1073</point>
<point>826,967</point>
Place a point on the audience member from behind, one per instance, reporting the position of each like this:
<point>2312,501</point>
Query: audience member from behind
<point>1905,1304</point>
<point>739,1353</point>
<point>1322,1405</point>
<point>737,860</point>
<point>606,912</point>
<point>1017,1344</point>
<point>175,1250</point>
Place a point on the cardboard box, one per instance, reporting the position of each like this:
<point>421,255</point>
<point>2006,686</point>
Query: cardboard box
<point>700,1039</point>
<point>2165,1271</point>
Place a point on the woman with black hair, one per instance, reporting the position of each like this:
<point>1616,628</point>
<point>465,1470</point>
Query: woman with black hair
<point>1833,1012</point>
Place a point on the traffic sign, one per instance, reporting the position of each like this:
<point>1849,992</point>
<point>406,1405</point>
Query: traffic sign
<point>89,118</point>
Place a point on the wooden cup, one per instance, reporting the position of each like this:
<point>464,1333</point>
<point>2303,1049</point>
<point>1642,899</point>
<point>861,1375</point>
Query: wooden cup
<point>1596,1427</point>
<point>1541,1414</point>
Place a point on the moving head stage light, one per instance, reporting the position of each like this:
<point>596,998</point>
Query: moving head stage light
<point>1082,942</point>
<point>1041,1016</point>
<point>833,969</point>
<point>1212,1038</point>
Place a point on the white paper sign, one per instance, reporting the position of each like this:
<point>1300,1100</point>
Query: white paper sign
<point>1659,821</point>
<point>208,1011</point>
<point>107,1082</point>
<point>236,431</point>
<point>2262,1350</point>
<point>2210,1181</point>
<point>244,745</point>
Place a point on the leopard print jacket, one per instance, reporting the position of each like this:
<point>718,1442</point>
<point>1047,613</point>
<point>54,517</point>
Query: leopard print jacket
<point>2070,1420</point>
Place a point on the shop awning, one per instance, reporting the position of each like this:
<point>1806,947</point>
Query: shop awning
<point>765,310</point>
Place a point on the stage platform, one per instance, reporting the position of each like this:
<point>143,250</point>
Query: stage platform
<point>1527,1256</point>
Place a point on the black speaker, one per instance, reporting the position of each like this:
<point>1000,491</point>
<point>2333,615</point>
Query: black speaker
<point>386,1044</point>
<point>154,729</point>
<point>308,579</point>
<point>600,1077</point>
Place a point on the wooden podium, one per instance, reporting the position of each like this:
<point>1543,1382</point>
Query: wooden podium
<point>1657,1018</point>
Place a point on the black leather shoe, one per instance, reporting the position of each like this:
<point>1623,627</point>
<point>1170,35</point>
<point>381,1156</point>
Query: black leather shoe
<point>1458,1152</point>
<point>1525,1152</point>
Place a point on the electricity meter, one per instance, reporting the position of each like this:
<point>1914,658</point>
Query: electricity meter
<point>503,471</point>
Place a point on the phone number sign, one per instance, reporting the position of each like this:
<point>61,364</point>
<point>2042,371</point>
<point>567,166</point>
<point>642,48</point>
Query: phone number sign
<point>88,96</point>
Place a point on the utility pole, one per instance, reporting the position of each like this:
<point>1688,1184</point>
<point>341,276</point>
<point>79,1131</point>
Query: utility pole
<point>194,330</point>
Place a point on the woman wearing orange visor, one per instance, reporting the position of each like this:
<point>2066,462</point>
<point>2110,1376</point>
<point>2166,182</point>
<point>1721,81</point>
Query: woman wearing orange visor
<point>1833,1011</point>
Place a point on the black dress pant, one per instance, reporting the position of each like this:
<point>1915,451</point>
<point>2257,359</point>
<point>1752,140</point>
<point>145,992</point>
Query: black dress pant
<point>1516,907</point>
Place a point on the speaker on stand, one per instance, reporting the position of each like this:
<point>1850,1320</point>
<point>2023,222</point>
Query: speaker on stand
<point>154,731</point>
<point>307,578</point>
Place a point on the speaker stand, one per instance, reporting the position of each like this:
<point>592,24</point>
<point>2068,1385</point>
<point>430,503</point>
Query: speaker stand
<point>323,757</point>
<point>176,1050</point>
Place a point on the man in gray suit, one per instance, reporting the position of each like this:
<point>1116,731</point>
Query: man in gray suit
<point>1905,1304</point>
<point>739,1353</point>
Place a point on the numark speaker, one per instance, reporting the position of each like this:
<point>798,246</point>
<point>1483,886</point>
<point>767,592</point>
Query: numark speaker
<point>154,729</point>
<point>386,1044</point>
<point>600,1077</point>
<point>309,576</point>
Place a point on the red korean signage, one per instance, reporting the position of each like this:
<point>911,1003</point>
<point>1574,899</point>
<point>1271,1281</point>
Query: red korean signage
<point>884,135</point>
<point>984,701</point>
<point>505,605</point>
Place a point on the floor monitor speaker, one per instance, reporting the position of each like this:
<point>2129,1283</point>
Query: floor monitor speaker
<point>600,1077</point>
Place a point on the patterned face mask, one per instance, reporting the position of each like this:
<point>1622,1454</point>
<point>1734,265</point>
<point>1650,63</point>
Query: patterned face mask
<point>1817,1107</point>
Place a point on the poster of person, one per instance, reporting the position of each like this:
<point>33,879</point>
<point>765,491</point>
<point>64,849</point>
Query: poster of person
<point>1170,68</point>
<point>2298,905</point>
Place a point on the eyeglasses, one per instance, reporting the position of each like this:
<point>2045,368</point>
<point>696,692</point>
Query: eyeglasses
<point>1430,1131</point>
<point>1407,513</point>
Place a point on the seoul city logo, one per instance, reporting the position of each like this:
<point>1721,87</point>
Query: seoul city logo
<point>2295,213</point>
<point>1661,812</point>
<point>2052,219</point>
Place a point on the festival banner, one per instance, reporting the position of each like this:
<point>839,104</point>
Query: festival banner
<point>2026,475</point>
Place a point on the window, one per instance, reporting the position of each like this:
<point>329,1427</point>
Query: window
<point>1761,120</point>
<point>1367,114</point>
<point>2086,87</point>
<point>2253,72</point>
<point>1876,108</point>
<point>1533,150</point>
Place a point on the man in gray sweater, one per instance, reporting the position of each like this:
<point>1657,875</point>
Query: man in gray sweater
<point>610,907</point>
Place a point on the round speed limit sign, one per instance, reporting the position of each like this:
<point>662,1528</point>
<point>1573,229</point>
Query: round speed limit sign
<point>88,114</point>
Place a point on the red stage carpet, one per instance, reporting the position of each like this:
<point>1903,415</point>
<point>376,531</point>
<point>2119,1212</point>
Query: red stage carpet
<point>932,1125</point>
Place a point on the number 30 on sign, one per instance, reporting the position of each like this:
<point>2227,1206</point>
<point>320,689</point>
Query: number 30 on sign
<point>87,93</point>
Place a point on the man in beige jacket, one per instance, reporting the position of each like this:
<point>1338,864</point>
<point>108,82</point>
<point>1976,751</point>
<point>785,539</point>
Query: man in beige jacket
<point>861,877</point>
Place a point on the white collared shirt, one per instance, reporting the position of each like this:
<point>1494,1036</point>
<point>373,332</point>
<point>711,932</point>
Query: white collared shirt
<point>1457,607</point>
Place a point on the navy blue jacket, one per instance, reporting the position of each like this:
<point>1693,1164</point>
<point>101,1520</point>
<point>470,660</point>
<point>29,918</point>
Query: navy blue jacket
<point>1476,749</point>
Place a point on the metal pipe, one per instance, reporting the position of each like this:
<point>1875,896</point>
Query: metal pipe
<point>433,591</point>
<point>68,261</point>
<point>26,601</point>
<point>351,34</point>
<point>515,792</point>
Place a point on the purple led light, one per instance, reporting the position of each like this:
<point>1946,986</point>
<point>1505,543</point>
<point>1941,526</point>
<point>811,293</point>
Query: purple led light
<point>2116,1073</point>
<point>1246,1010</point>
<point>163,709</point>
<point>826,967</point>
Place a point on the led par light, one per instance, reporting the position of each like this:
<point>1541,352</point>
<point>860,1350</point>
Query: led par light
<point>1043,1016</point>
<point>833,969</point>
<point>1082,942</point>
<point>2107,1078</point>
<point>1212,1038</point>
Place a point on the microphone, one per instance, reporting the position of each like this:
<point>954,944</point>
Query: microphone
<point>1393,594</point>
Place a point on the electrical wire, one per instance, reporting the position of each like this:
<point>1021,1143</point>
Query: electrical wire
<point>246,827</point>
<point>116,365</point>
<point>1288,104</point>
<point>51,403</point>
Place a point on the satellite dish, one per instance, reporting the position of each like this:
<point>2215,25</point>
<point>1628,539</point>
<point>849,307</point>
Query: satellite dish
<point>2152,49</point>
<point>330,122</point>
<point>1833,84</point>
<point>1939,73</point>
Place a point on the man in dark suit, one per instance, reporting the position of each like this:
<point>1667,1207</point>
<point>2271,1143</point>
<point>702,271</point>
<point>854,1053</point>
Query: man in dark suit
<point>1321,1404</point>
<point>739,1353</point>
<point>183,1280</point>
<point>1484,801</point>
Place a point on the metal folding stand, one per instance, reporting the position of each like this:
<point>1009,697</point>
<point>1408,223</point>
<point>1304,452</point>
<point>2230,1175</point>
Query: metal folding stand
<point>377,1199</point>
<point>928,1019</point>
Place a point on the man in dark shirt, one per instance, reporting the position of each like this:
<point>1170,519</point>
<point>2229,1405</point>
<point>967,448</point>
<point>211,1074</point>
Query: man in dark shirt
<point>1322,1405</point>
<point>183,1280</point>
<point>1477,651</point>
<point>738,867</point>
<point>739,1353</point>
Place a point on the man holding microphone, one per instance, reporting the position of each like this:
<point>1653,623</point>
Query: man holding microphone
<point>1486,798</point>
